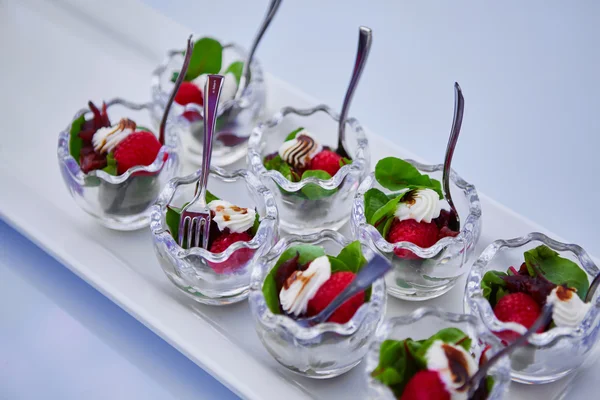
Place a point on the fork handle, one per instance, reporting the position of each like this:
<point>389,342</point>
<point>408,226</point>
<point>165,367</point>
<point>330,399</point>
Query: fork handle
<point>212,93</point>
<point>459,110</point>
<point>365,38</point>
<point>245,78</point>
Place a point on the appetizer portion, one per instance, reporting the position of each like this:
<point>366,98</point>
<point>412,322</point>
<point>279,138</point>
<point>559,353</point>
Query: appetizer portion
<point>415,211</point>
<point>305,280</point>
<point>302,156</point>
<point>96,144</point>
<point>434,368</point>
<point>229,224</point>
<point>518,295</point>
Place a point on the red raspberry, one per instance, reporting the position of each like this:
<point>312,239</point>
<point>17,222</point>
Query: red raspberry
<point>520,308</point>
<point>327,161</point>
<point>139,148</point>
<point>329,291</point>
<point>189,93</point>
<point>238,258</point>
<point>425,385</point>
<point>423,234</point>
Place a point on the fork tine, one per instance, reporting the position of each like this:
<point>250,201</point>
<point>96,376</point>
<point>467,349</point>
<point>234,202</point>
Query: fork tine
<point>206,231</point>
<point>198,231</point>
<point>180,234</point>
<point>190,231</point>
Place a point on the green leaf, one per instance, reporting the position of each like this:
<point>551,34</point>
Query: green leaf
<point>293,134</point>
<point>351,259</point>
<point>75,142</point>
<point>254,228</point>
<point>236,68</point>
<point>374,200</point>
<point>397,364</point>
<point>206,58</point>
<point>277,164</point>
<point>307,253</point>
<point>489,383</point>
<point>558,270</point>
<point>270,292</point>
<point>500,293</point>
<point>448,335</point>
<point>338,265</point>
<point>210,197</point>
<point>313,191</point>
<point>352,256</point>
<point>387,210</point>
<point>392,377</point>
<point>140,128</point>
<point>174,77</point>
<point>172,218</point>
<point>386,227</point>
<point>111,164</point>
<point>492,285</point>
<point>396,174</point>
<point>345,161</point>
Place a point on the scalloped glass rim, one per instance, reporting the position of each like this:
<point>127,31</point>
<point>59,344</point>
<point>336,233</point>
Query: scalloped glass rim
<point>256,162</point>
<point>79,176</point>
<point>502,367</point>
<point>158,211</point>
<point>375,305</point>
<point>256,78</point>
<point>482,308</point>
<point>465,236</point>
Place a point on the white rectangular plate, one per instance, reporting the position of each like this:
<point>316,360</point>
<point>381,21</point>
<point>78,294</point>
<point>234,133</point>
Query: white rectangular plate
<point>70,52</point>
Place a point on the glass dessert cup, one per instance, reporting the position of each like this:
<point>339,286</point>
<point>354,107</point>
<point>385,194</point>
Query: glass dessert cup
<point>195,271</point>
<point>422,324</point>
<point>236,117</point>
<point>325,350</point>
<point>120,202</point>
<point>312,204</point>
<point>557,352</point>
<point>438,267</point>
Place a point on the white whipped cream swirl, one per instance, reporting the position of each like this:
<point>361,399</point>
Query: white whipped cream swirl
<point>569,310</point>
<point>227,91</point>
<point>237,219</point>
<point>106,139</point>
<point>437,360</point>
<point>422,205</point>
<point>302,286</point>
<point>299,151</point>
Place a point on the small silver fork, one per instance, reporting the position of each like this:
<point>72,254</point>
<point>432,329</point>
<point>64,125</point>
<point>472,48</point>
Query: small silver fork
<point>365,38</point>
<point>459,110</point>
<point>245,78</point>
<point>195,216</point>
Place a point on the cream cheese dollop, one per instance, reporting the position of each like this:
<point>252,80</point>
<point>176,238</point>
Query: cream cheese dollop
<point>452,373</point>
<point>302,286</point>
<point>569,310</point>
<point>106,139</point>
<point>227,91</point>
<point>226,215</point>
<point>420,205</point>
<point>300,150</point>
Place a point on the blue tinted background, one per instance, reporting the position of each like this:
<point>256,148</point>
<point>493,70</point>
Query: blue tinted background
<point>61,339</point>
